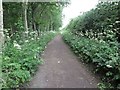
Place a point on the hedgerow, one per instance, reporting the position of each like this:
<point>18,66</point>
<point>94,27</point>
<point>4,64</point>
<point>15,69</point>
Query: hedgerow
<point>95,36</point>
<point>105,57</point>
<point>20,62</point>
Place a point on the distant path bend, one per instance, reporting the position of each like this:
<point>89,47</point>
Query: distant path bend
<point>61,69</point>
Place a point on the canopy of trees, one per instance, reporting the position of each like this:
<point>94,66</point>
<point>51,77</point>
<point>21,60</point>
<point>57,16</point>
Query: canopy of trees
<point>27,30</point>
<point>26,17</point>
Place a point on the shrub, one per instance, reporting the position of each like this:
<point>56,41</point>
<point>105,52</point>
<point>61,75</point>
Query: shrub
<point>104,56</point>
<point>20,61</point>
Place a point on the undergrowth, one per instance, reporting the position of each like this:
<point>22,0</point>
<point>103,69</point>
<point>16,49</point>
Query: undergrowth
<point>20,61</point>
<point>104,56</point>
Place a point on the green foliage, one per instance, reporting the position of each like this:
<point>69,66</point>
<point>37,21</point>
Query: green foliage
<point>105,57</point>
<point>40,17</point>
<point>27,31</point>
<point>95,35</point>
<point>101,22</point>
<point>21,61</point>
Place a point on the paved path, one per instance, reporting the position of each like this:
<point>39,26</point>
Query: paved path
<point>62,69</point>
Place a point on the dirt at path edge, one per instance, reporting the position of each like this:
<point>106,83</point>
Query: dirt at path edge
<point>61,69</point>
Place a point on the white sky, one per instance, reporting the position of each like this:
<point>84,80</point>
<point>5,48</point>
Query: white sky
<point>77,6</point>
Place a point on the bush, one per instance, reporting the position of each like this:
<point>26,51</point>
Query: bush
<point>104,56</point>
<point>20,61</point>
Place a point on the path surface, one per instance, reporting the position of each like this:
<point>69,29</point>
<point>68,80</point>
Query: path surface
<point>61,69</point>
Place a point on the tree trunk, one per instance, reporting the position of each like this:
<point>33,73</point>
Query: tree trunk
<point>1,26</point>
<point>1,37</point>
<point>25,16</point>
<point>32,21</point>
<point>34,26</point>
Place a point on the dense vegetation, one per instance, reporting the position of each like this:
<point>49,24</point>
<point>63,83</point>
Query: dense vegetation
<point>95,35</point>
<point>28,27</point>
<point>21,61</point>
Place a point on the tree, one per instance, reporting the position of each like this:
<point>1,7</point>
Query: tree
<point>1,36</point>
<point>1,26</point>
<point>25,3</point>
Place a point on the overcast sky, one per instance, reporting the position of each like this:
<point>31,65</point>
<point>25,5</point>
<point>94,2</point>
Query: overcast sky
<point>77,6</point>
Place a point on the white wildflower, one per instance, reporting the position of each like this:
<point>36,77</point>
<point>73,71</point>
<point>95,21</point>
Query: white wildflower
<point>17,45</point>
<point>0,52</point>
<point>101,40</point>
<point>109,66</point>
<point>8,37</point>
<point>111,25</point>
<point>32,38</point>
<point>26,32</point>
<point>32,32</point>
<point>52,31</point>
<point>26,41</point>
<point>96,39</point>
<point>117,28</point>
<point>117,21</point>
